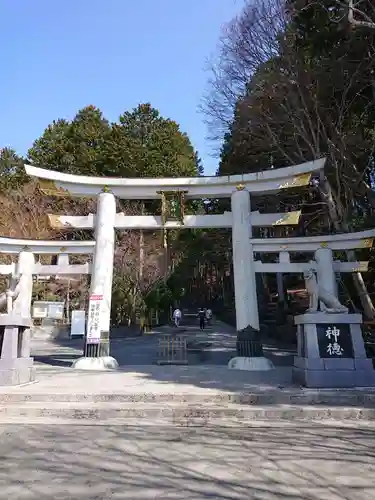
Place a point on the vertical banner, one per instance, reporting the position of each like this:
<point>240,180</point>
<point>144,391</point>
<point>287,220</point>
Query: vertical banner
<point>164,216</point>
<point>93,323</point>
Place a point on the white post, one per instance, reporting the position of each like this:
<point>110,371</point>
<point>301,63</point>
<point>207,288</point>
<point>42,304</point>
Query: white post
<point>22,304</point>
<point>97,355</point>
<point>24,269</point>
<point>325,274</point>
<point>101,280</point>
<point>243,262</point>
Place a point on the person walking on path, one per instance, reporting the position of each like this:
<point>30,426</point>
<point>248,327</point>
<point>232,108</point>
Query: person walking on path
<point>208,316</point>
<point>202,317</point>
<point>177,316</point>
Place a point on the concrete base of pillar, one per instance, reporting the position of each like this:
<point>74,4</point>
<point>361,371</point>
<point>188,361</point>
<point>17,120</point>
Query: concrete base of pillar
<point>96,364</point>
<point>335,379</point>
<point>16,371</point>
<point>251,364</point>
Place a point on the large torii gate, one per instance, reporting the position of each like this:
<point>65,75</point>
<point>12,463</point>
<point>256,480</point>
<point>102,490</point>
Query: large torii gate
<point>238,188</point>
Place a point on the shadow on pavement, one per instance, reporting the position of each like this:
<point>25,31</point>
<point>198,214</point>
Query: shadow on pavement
<point>207,366</point>
<point>303,461</point>
<point>64,360</point>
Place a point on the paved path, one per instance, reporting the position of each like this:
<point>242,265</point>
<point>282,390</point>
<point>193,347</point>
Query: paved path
<point>139,373</point>
<point>299,462</point>
<point>56,455</point>
<point>142,350</point>
<point>152,379</point>
<point>78,434</point>
<point>205,383</point>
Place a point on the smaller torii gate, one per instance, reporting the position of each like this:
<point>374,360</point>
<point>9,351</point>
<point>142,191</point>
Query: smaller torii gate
<point>322,246</point>
<point>16,365</point>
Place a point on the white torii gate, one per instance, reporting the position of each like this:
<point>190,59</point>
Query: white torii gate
<point>26,266</point>
<point>237,187</point>
<point>16,365</point>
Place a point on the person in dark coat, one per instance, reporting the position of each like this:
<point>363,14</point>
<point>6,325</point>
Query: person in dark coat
<point>202,317</point>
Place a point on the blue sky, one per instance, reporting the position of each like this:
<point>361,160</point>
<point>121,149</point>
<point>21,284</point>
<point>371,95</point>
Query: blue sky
<point>59,56</point>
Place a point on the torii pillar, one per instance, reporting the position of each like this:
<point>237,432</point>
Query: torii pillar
<point>243,262</point>
<point>97,342</point>
<point>249,347</point>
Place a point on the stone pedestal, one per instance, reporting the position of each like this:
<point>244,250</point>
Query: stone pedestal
<point>16,365</point>
<point>251,364</point>
<point>331,352</point>
<point>101,363</point>
<point>250,356</point>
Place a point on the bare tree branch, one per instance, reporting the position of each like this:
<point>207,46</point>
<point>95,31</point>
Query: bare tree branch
<point>365,21</point>
<point>246,43</point>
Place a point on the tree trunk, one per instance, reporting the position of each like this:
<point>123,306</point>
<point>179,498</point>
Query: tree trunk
<point>360,286</point>
<point>280,288</point>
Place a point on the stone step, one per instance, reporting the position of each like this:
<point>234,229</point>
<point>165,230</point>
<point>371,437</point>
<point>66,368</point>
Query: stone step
<point>111,413</point>
<point>261,397</point>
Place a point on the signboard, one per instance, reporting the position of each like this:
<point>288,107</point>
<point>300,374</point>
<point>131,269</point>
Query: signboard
<point>78,324</point>
<point>172,206</point>
<point>154,317</point>
<point>138,317</point>
<point>47,309</point>
<point>55,310</point>
<point>40,310</point>
<point>93,322</point>
<point>335,341</point>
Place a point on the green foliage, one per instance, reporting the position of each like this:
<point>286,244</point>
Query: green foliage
<point>199,164</point>
<point>75,146</point>
<point>160,297</point>
<point>126,299</point>
<point>12,173</point>
<point>142,144</point>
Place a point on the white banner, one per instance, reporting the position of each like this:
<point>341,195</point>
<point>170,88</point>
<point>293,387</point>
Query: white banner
<point>93,322</point>
<point>78,324</point>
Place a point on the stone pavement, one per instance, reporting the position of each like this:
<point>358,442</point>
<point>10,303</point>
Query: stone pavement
<point>176,394</point>
<point>181,432</point>
<point>259,461</point>
<point>142,350</point>
<point>197,394</point>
